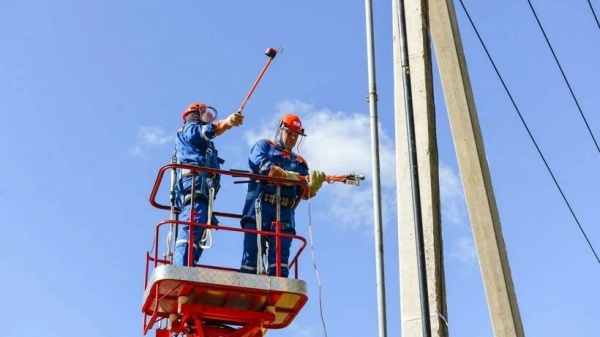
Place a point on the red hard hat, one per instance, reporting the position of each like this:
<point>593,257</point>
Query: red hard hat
<point>194,107</point>
<point>293,123</point>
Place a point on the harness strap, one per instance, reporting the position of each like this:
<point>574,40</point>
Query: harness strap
<point>179,242</point>
<point>207,235</point>
<point>206,164</point>
<point>188,197</point>
<point>186,172</point>
<point>174,210</point>
<point>283,265</point>
<point>260,269</point>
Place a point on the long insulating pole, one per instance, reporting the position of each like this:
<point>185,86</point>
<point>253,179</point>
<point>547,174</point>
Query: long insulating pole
<point>414,173</point>
<point>372,99</point>
<point>271,53</point>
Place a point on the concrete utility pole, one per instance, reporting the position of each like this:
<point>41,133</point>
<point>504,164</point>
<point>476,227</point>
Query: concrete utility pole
<point>474,171</point>
<point>424,123</point>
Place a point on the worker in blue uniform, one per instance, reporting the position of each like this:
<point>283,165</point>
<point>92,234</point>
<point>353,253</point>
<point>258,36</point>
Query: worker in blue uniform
<point>275,158</point>
<point>194,146</point>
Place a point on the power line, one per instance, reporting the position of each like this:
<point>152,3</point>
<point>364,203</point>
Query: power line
<point>594,13</point>
<point>529,133</point>
<point>564,76</point>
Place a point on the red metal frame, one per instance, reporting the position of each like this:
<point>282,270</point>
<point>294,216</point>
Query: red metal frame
<point>215,321</point>
<point>234,174</point>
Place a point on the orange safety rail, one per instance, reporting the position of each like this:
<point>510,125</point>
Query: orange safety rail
<point>244,308</point>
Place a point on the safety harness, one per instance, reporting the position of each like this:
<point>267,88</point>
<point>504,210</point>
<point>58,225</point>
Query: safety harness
<point>260,263</point>
<point>174,211</point>
<point>262,259</point>
<point>209,186</point>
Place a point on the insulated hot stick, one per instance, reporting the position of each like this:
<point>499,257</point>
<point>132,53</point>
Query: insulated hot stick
<point>349,179</point>
<point>271,53</point>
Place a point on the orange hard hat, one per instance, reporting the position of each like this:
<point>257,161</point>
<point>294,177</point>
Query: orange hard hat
<point>194,107</point>
<point>293,123</point>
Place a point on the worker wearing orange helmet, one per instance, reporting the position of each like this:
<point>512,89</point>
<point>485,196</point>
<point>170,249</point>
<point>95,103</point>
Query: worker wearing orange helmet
<point>275,158</point>
<point>194,146</point>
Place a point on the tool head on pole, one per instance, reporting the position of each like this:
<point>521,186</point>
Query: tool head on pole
<point>354,179</point>
<point>271,52</point>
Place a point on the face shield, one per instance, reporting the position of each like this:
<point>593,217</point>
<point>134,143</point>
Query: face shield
<point>199,113</point>
<point>208,115</point>
<point>288,138</point>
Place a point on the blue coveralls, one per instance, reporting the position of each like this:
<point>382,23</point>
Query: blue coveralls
<point>194,147</point>
<point>263,156</point>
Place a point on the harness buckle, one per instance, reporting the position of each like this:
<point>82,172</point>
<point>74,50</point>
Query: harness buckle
<point>257,203</point>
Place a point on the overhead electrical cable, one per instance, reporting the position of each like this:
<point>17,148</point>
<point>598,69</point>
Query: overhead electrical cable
<point>594,13</point>
<point>564,76</point>
<point>314,261</point>
<point>529,133</point>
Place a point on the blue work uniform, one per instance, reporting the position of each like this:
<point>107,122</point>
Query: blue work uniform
<point>194,147</point>
<point>263,156</point>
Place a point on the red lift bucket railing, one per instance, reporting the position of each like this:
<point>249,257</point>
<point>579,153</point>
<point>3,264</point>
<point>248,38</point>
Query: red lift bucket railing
<point>153,260</point>
<point>234,174</point>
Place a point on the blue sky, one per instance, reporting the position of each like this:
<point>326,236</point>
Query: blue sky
<point>91,94</point>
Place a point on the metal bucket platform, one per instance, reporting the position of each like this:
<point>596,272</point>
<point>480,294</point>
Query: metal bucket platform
<point>216,301</point>
<point>209,302</point>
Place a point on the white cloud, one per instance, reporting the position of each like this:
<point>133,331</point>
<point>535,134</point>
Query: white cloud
<point>340,143</point>
<point>300,331</point>
<point>147,138</point>
<point>137,151</point>
<point>351,208</point>
<point>451,194</point>
<point>153,136</point>
<point>464,249</point>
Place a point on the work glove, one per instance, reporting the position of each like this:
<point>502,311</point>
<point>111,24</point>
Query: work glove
<point>316,180</point>
<point>278,172</point>
<point>292,175</point>
<point>235,119</point>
